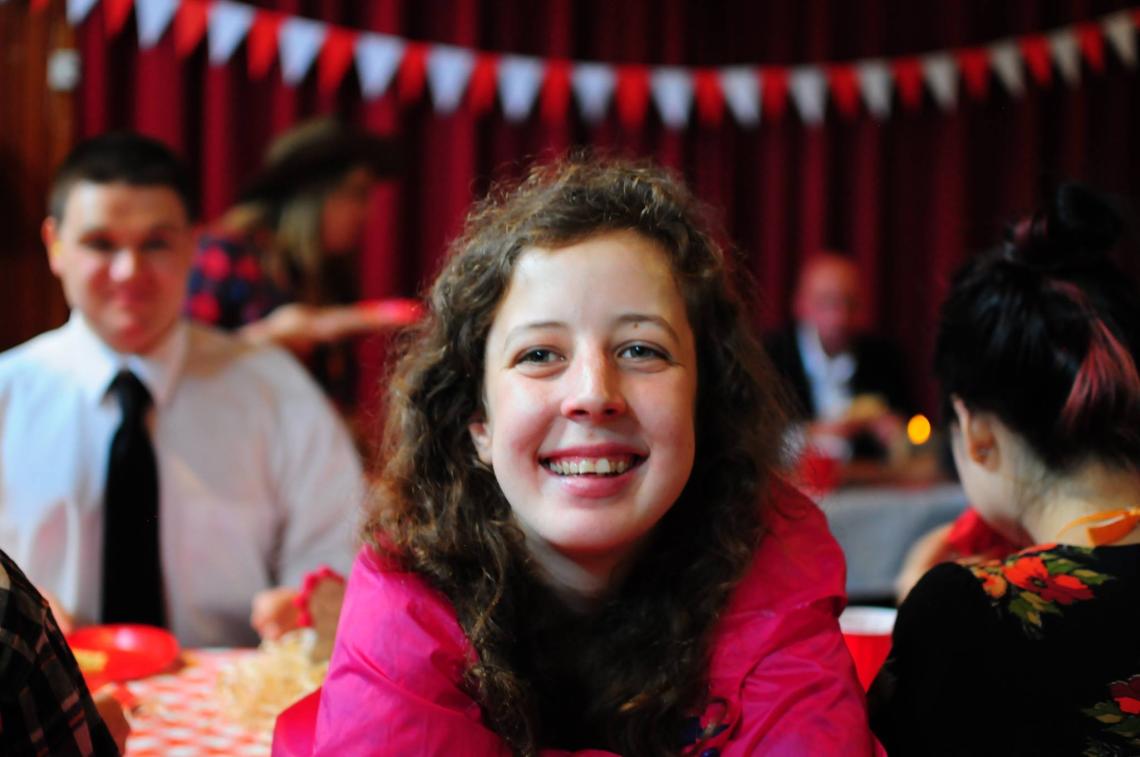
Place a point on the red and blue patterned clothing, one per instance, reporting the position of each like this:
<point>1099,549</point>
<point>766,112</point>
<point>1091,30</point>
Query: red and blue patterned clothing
<point>228,287</point>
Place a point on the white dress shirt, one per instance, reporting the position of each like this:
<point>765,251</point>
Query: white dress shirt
<point>829,376</point>
<point>259,481</point>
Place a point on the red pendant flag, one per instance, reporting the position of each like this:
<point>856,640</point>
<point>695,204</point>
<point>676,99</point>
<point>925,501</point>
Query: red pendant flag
<point>908,78</point>
<point>189,25</point>
<point>974,63</point>
<point>115,15</point>
<point>1091,39</point>
<point>261,45</point>
<point>412,76</point>
<point>1035,49</point>
<point>632,95</point>
<point>773,91</point>
<point>710,98</point>
<point>844,89</point>
<point>556,91</point>
<point>481,87</point>
<point>335,58</point>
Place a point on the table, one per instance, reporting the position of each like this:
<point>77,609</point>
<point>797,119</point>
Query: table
<point>180,714</point>
<point>876,525</point>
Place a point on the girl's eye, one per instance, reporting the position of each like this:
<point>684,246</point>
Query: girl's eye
<point>643,352</point>
<point>538,355</point>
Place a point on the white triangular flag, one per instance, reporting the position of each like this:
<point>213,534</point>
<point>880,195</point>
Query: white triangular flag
<point>593,85</point>
<point>808,88</point>
<point>298,42</point>
<point>672,88</point>
<point>152,17</point>
<point>1121,32</point>
<point>941,74</point>
<point>1067,53</point>
<point>448,71</point>
<point>1005,60</point>
<point>77,10</point>
<point>875,83</point>
<point>520,78</point>
<point>741,89</point>
<point>377,58</point>
<point>227,26</point>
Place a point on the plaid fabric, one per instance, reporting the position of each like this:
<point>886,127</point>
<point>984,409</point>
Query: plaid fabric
<point>45,708</point>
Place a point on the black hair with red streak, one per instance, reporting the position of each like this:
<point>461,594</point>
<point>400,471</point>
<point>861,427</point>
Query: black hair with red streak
<point>1044,332</point>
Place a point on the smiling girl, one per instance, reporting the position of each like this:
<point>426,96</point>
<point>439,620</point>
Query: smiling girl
<point>580,541</point>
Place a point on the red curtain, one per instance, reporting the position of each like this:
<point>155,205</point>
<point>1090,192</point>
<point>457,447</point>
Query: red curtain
<point>909,197</point>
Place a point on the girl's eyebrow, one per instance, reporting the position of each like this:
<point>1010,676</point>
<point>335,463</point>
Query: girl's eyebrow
<point>646,318</point>
<point>532,326</point>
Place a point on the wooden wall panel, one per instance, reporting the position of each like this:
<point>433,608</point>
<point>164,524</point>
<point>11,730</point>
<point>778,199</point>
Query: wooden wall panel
<point>36,130</point>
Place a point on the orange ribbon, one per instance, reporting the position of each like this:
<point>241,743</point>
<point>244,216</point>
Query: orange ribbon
<point>1119,524</point>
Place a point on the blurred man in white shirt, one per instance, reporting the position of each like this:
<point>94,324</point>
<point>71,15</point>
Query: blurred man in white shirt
<point>257,480</point>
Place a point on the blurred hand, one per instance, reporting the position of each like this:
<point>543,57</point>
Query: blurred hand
<point>275,612</point>
<point>299,327</point>
<point>111,710</point>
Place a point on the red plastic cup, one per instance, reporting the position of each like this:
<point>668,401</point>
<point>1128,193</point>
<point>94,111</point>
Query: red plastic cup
<point>867,631</point>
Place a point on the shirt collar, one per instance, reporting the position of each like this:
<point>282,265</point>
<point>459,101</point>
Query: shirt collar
<point>817,362</point>
<point>159,369</point>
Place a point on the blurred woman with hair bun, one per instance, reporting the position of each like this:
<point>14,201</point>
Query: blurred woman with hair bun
<point>1037,653</point>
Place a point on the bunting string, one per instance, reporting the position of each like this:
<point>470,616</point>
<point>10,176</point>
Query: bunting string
<point>455,77</point>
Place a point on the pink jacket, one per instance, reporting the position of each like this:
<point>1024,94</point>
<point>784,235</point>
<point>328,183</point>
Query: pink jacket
<point>778,660</point>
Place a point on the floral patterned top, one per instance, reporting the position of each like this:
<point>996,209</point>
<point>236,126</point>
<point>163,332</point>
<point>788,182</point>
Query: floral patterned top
<point>1034,654</point>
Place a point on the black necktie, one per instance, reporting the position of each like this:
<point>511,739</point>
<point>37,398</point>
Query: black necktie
<point>132,563</point>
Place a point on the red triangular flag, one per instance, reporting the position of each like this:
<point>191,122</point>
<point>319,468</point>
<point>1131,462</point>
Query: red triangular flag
<point>115,15</point>
<point>481,86</point>
<point>974,63</point>
<point>908,79</point>
<point>844,89</point>
<point>189,25</point>
<point>773,91</point>
<point>710,98</point>
<point>556,91</point>
<point>632,95</point>
<point>1091,39</point>
<point>261,44</point>
<point>412,76</point>
<point>335,57</point>
<point>1035,49</point>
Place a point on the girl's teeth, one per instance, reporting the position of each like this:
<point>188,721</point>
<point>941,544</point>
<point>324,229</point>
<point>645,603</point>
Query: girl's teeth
<point>601,466</point>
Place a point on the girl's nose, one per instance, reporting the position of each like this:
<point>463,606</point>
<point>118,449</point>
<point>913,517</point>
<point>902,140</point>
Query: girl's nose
<point>594,390</point>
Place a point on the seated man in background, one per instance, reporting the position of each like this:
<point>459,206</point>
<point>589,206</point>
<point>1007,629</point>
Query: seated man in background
<point>849,386</point>
<point>154,471</point>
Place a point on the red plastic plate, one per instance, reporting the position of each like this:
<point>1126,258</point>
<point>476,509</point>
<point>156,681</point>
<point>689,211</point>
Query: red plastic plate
<point>132,651</point>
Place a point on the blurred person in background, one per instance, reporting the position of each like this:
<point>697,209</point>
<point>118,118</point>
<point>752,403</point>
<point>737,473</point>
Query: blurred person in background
<point>1035,653</point>
<point>153,471</point>
<point>848,386</point>
<point>282,266</point>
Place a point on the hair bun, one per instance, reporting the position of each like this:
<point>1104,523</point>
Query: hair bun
<point>1078,227</point>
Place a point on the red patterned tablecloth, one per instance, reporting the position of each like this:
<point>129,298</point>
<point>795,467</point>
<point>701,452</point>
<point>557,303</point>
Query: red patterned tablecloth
<point>180,714</point>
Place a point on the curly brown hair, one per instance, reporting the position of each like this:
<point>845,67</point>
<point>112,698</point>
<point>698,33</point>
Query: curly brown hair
<point>639,665</point>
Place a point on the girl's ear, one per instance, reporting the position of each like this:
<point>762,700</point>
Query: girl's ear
<point>979,441</point>
<point>480,431</point>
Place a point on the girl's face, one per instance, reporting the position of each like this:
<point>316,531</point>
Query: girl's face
<point>344,211</point>
<point>590,387</point>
